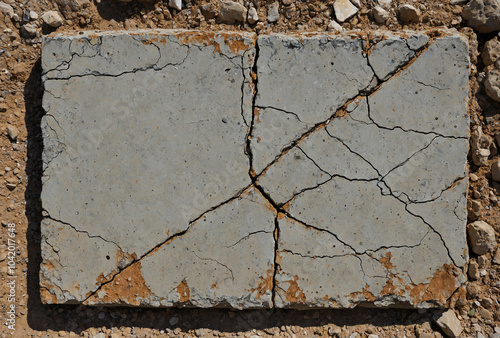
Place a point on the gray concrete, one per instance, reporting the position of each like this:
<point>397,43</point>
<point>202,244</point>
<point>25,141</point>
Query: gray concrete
<point>337,178</point>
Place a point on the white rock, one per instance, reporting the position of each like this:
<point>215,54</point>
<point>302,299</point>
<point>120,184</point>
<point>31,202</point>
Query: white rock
<point>176,4</point>
<point>253,17</point>
<point>482,237</point>
<point>33,15</point>
<point>29,30</point>
<point>12,133</point>
<point>52,18</point>
<point>344,10</point>
<point>408,14</point>
<point>474,270</point>
<point>380,15</point>
<point>231,12</point>
<point>450,324</point>
<point>6,9</point>
<point>273,12</point>
<point>333,26</point>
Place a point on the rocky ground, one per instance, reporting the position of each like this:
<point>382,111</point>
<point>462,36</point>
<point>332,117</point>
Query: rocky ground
<point>24,22</point>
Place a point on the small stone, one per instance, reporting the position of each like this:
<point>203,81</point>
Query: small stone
<point>333,26</point>
<point>101,315</point>
<point>380,15</point>
<point>253,17</point>
<point>492,83</point>
<point>491,52</point>
<point>12,133</point>
<point>273,12</point>
<point>176,4</point>
<point>209,11</point>
<point>385,4</point>
<point>70,7</point>
<point>99,335</point>
<point>29,30</point>
<point>474,207</point>
<point>483,15</point>
<point>3,107</point>
<point>449,323</point>
<point>231,12</point>
<point>52,18</point>
<point>482,237</point>
<point>408,14</point>
<point>458,2</point>
<point>496,257</point>
<point>495,170</point>
<point>484,313</point>
<point>33,15</point>
<point>344,10</point>
<point>7,10</point>
<point>474,270</point>
<point>173,321</point>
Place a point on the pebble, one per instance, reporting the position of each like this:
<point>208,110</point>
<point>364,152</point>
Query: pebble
<point>173,321</point>
<point>176,4</point>
<point>496,257</point>
<point>231,12</point>
<point>408,14</point>
<point>482,15</point>
<point>33,15</point>
<point>52,18</point>
<point>29,30</point>
<point>385,4</point>
<point>273,12</point>
<point>482,237</point>
<point>101,315</point>
<point>99,335</point>
<point>450,324</point>
<point>473,270</point>
<point>492,82</point>
<point>253,17</point>
<point>12,132</point>
<point>209,11</point>
<point>7,9</point>
<point>380,15</point>
<point>495,170</point>
<point>344,10</point>
<point>333,26</point>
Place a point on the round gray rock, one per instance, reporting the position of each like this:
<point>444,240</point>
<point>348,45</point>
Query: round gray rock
<point>482,237</point>
<point>483,15</point>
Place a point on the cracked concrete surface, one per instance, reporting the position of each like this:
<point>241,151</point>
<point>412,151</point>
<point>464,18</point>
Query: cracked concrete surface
<point>184,168</point>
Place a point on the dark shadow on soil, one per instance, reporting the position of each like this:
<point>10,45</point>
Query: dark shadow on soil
<point>119,11</point>
<point>76,318</point>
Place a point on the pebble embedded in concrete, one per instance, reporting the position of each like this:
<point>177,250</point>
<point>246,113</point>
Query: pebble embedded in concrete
<point>301,162</point>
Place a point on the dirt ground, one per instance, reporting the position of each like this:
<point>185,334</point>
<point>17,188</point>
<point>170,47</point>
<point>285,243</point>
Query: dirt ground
<point>21,169</point>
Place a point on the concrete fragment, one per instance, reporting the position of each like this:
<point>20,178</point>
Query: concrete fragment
<point>408,14</point>
<point>344,10</point>
<point>273,13</point>
<point>243,199</point>
<point>449,323</point>
<point>482,237</point>
<point>389,55</point>
<point>483,15</point>
<point>231,12</point>
<point>52,18</point>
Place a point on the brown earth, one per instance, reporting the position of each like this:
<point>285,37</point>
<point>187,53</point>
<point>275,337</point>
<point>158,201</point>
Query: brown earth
<point>20,184</point>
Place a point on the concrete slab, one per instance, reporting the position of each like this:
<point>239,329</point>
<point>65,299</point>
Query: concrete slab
<point>229,170</point>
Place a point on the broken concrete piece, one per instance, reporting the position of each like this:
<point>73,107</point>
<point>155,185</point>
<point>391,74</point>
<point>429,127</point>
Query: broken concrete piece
<point>307,171</point>
<point>450,324</point>
<point>344,10</point>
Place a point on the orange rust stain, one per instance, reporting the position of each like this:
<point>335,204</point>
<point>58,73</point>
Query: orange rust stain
<point>46,296</point>
<point>281,215</point>
<point>257,116</point>
<point>386,261</point>
<point>365,293</point>
<point>129,286</point>
<point>265,284</point>
<point>294,294</point>
<point>183,291</point>
<point>214,286</point>
<point>440,288</point>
